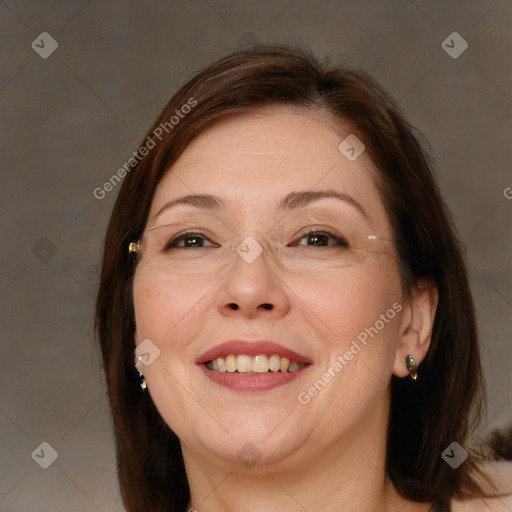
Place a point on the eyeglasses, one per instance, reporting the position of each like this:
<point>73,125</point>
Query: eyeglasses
<point>168,249</point>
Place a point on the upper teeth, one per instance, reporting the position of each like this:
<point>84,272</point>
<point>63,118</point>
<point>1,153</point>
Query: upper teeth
<point>257,364</point>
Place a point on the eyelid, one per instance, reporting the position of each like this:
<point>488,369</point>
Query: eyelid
<point>338,238</point>
<point>318,228</point>
<point>311,230</point>
<point>179,237</point>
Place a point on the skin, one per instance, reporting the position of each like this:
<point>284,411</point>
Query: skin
<point>330,453</point>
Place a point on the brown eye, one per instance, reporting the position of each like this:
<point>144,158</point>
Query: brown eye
<point>322,238</point>
<point>190,240</point>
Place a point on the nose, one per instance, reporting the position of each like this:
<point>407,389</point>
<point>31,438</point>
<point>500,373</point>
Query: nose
<point>252,288</point>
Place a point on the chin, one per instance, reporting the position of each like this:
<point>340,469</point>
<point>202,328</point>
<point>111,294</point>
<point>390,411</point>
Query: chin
<point>259,442</point>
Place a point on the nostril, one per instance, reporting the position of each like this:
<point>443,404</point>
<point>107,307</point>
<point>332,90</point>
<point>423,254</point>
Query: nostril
<point>266,306</point>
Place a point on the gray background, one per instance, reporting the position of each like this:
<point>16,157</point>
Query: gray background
<point>71,120</point>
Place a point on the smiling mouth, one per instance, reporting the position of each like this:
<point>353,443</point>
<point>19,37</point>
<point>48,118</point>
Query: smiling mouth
<point>251,365</point>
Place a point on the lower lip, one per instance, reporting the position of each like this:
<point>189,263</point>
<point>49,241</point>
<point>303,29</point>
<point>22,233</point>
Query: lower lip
<point>252,383</point>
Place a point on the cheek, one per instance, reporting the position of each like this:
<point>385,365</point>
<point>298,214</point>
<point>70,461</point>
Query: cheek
<point>347,302</point>
<point>162,301</point>
<point>362,312</point>
<point>163,311</point>
<point>375,308</point>
<point>161,305</point>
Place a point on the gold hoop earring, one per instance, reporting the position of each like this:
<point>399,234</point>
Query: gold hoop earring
<point>410,362</point>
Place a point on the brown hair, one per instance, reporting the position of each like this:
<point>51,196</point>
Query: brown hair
<point>426,416</point>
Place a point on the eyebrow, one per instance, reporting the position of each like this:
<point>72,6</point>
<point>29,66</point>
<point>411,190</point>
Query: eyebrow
<point>292,201</point>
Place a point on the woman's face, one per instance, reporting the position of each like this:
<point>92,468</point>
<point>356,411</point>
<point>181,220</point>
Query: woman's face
<point>318,302</point>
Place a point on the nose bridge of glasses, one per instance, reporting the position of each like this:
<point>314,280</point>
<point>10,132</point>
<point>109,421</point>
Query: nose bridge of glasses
<point>250,246</point>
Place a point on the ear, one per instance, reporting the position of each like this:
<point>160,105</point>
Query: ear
<point>416,326</point>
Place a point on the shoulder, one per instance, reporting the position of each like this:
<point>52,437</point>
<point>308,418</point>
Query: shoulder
<point>483,505</point>
<point>501,475</point>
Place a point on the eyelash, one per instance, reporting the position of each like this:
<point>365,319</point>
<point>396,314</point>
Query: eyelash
<point>314,231</point>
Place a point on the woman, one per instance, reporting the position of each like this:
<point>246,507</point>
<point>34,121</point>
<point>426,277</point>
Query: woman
<point>281,272</point>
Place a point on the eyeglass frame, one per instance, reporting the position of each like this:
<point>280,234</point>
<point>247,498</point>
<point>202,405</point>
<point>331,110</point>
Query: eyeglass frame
<point>136,247</point>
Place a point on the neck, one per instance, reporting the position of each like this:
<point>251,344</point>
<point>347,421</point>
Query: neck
<point>348,474</point>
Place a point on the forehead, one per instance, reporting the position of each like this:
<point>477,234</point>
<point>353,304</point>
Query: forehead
<point>253,160</point>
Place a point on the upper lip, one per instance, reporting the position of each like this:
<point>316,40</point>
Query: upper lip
<point>250,348</point>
